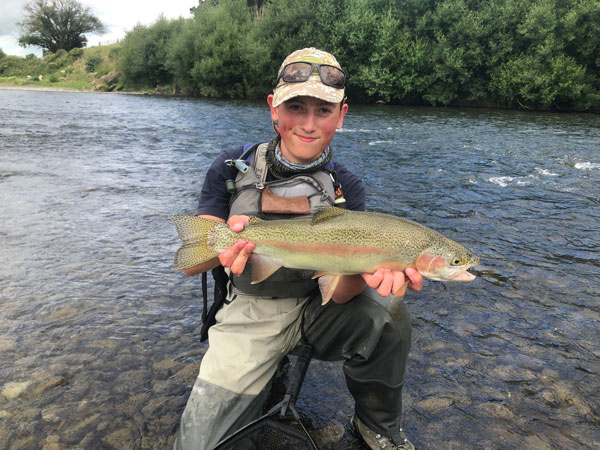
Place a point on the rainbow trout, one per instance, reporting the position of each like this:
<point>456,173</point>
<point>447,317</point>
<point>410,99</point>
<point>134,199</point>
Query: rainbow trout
<point>333,242</point>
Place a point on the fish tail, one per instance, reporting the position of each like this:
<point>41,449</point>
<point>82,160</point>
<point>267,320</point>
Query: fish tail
<point>195,233</point>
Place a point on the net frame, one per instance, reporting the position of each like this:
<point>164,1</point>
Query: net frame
<point>265,433</point>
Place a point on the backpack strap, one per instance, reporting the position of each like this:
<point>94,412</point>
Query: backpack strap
<point>208,315</point>
<point>260,162</point>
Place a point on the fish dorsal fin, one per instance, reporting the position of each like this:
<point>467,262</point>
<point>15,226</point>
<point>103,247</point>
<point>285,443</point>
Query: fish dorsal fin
<point>254,221</point>
<point>327,213</point>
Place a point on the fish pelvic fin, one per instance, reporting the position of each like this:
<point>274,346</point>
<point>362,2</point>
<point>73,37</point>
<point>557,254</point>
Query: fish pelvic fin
<point>327,285</point>
<point>194,232</point>
<point>261,268</point>
<point>401,291</point>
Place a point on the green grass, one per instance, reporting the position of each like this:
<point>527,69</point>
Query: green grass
<point>64,72</point>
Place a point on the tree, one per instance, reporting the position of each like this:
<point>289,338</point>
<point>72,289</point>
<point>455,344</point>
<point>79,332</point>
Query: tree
<point>58,24</point>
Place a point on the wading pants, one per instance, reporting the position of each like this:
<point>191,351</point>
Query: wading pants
<point>253,334</point>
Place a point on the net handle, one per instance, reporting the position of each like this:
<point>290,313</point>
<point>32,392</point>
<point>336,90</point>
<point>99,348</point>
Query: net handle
<point>304,352</point>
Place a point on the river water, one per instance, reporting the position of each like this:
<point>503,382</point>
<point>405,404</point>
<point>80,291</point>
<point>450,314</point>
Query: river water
<point>99,338</point>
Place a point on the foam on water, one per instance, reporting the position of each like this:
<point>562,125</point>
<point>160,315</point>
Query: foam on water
<point>587,166</point>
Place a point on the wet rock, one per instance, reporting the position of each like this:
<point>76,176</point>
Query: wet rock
<point>111,344</point>
<point>123,439</point>
<point>108,82</point>
<point>159,406</point>
<point>80,384</point>
<point>40,388</point>
<point>188,374</point>
<point>14,389</point>
<point>52,443</point>
<point>332,432</point>
<point>164,369</point>
<point>135,403</point>
<point>4,433</point>
<point>26,443</point>
<point>89,441</point>
<point>512,374</point>
<point>436,404</point>
<point>63,314</point>
<point>54,413</point>
<point>162,387</point>
<point>535,443</point>
<point>549,398</point>
<point>497,410</point>
<point>130,380</point>
<point>7,345</point>
<point>78,431</point>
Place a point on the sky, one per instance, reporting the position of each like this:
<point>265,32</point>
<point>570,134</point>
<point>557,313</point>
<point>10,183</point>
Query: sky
<point>119,16</point>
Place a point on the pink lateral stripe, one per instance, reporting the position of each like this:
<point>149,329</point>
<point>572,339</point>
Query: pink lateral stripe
<point>319,248</point>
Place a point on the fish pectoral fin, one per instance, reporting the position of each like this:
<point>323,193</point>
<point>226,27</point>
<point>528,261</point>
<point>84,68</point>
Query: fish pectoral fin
<point>327,285</point>
<point>318,275</point>
<point>261,268</point>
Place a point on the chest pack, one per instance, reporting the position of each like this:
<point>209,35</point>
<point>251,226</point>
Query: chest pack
<point>299,195</point>
<point>253,194</point>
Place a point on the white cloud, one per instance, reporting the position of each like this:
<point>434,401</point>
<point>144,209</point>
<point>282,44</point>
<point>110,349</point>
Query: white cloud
<point>119,16</point>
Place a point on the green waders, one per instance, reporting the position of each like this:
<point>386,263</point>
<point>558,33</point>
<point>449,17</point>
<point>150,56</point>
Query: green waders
<point>253,335</point>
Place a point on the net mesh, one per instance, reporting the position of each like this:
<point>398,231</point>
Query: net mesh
<point>268,434</point>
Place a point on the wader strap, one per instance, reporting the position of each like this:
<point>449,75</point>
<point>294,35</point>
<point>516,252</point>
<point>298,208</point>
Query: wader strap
<point>204,297</point>
<point>260,162</point>
<point>302,322</point>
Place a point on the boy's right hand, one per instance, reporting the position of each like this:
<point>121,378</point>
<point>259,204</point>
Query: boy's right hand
<point>236,256</point>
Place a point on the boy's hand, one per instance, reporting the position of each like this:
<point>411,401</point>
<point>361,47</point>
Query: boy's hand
<point>386,281</point>
<point>236,256</point>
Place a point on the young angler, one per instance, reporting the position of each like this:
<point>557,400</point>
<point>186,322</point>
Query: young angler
<point>292,176</point>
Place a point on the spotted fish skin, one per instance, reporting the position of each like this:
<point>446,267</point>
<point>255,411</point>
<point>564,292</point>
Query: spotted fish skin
<point>334,241</point>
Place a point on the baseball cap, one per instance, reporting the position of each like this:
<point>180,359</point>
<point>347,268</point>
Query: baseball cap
<point>314,86</point>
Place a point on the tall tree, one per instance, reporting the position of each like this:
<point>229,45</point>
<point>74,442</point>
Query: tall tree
<point>57,24</point>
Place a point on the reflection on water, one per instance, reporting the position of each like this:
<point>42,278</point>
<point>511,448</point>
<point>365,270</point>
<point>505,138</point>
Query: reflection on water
<point>99,337</point>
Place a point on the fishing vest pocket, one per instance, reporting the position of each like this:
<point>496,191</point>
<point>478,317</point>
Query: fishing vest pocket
<point>294,197</point>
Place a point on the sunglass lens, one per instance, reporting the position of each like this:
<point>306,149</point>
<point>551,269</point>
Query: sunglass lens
<point>297,72</point>
<point>332,76</point>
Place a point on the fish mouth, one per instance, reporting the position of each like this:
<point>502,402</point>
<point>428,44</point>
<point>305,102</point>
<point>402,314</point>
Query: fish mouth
<point>463,275</point>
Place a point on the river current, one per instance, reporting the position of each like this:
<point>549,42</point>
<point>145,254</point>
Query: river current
<point>99,337</point>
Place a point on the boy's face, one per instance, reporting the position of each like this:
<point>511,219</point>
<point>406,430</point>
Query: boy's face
<point>307,126</point>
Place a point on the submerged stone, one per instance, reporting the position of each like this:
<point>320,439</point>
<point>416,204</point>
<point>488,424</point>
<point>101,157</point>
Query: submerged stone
<point>14,389</point>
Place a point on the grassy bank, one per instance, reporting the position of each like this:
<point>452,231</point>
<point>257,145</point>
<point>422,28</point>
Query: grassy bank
<point>88,69</point>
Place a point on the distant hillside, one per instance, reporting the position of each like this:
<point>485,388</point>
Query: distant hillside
<point>86,69</point>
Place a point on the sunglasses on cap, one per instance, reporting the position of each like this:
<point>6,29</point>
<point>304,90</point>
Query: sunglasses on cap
<point>298,72</point>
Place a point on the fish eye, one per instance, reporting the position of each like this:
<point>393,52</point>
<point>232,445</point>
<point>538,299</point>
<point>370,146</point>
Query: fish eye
<point>456,261</point>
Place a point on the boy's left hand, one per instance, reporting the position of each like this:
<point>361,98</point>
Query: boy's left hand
<point>386,281</point>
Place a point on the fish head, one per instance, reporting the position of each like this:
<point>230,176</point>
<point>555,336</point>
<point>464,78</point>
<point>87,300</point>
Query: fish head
<point>449,262</point>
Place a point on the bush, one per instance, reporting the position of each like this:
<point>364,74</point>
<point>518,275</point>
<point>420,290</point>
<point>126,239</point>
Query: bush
<point>143,53</point>
<point>113,54</point>
<point>92,62</point>
<point>76,53</point>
